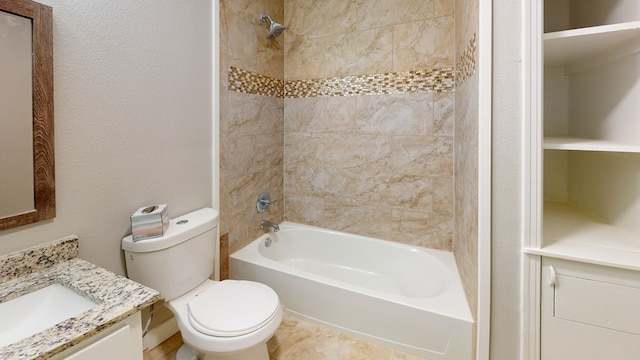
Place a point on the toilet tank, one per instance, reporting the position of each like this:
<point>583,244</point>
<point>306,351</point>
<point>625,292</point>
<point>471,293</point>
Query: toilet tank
<point>178,261</point>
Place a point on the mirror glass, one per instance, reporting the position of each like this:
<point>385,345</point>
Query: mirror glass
<point>16,114</point>
<point>27,177</point>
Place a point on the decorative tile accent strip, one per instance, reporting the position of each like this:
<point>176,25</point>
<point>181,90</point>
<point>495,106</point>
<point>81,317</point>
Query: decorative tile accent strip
<point>466,66</point>
<point>37,258</point>
<point>252,83</point>
<point>434,80</point>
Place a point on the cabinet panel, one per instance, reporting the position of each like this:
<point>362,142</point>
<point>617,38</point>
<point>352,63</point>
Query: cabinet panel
<point>579,313</point>
<point>114,346</point>
<point>122,340</point>
<point>597,303</point>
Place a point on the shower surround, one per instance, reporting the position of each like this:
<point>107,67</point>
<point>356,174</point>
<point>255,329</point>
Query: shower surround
<point>360,117</point>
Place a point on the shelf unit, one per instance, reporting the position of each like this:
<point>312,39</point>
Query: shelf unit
<point>572,234</point>
<point>567,47</point>
<point>591,142</point>
<point>584,263</point>
<point>570,143</point>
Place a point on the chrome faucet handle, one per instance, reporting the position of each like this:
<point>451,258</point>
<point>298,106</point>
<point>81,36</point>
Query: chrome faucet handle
<point>263,202</point>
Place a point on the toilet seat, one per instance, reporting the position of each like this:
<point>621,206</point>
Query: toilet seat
<point>233,308</point>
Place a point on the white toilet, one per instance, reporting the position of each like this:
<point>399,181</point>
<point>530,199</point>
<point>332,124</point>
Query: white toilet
<point>229,319</point>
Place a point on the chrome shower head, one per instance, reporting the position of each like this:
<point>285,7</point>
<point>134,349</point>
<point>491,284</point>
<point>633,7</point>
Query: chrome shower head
<point>275,29</point>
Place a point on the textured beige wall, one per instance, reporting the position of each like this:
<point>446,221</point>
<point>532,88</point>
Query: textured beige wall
<point>132,118</point>
<point>251,126</point>
<point>506,197</point>
<point>376,165</point>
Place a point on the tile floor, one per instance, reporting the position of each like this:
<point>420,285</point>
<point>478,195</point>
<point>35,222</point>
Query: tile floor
<point>301,340</point>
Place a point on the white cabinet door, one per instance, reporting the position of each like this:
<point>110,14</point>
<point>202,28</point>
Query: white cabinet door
<point>120,341</point>
<point>115,346</point>
<point>588,316</point>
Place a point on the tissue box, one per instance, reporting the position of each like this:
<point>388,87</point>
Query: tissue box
<point>149,222</point>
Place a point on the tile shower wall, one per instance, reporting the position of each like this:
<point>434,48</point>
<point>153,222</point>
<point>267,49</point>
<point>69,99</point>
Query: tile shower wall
<point>251,124</point>
<point>370,156</point>
<point>465,245</point>
<point>363,140</point>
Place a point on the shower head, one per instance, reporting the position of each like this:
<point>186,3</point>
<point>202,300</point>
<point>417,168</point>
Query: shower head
<point>275,29</point>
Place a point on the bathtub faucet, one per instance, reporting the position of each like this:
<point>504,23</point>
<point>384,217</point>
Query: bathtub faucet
<point>268,224</point>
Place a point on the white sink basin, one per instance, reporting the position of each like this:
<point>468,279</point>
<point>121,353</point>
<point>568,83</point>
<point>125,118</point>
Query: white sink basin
<point>36,311</point>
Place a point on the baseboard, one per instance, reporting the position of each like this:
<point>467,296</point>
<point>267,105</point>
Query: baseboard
<point>159,334</point>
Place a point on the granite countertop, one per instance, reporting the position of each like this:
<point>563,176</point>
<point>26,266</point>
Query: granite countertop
<point>57,262</point>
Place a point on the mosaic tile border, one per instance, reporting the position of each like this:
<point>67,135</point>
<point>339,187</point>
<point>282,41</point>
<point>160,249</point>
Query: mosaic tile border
<point>433,80</point>
<point>466,66</point>
<point>252,83</point>
<point>436,80</point>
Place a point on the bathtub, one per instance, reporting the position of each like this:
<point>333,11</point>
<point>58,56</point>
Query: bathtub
<point>405,297</point>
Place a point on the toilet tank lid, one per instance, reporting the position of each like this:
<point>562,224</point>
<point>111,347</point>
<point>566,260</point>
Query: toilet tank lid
<point>180,229</point>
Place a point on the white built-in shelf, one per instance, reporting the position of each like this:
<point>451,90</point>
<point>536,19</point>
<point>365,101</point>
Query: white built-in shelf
<point>571,234</point>
<point>570,46</point>
<point>569,143</point>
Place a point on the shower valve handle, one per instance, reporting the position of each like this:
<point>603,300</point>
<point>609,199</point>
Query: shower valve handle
<point>263,202</point>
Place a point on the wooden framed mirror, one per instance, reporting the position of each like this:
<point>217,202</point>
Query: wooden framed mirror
<point>40,193</point>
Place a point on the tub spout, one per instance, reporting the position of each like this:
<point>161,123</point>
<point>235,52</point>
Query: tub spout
<point>268,224</point>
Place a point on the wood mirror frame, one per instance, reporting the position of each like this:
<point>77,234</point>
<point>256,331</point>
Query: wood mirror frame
<point>43,142</point>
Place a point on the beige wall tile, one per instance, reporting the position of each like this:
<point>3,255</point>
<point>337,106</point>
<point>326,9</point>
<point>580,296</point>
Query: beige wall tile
<point>359,53</point>
<point>303,149</point>
<point>421,229</point>
<point>424,44</point>
<point>443,195</point>
<point>396,191</point>
<point>318,181</point>
<point>356,151</point>
<point>443,7</point>
<point>305,57</point>
<point>465,244</point>
<point>270,57</point>
<point>306,210</point>
<point>443,113</point>
<point>379,13</point>
<point>249,114</point>
<point>326,18</point>
<point>422,155</point>
<point>357,219</point>
<point>400,114</point>
<point>320,114</point>
<point>242,33</point>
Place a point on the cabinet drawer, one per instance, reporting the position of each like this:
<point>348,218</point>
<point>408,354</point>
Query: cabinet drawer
<point>597,303</point>
<point>114,346</point>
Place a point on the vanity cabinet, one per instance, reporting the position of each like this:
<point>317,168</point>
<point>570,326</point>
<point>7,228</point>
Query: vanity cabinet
<point>588,203</point>
<point>120,341</point>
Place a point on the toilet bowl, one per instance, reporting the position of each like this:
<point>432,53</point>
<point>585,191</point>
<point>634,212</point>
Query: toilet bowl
<point>218,320</point>
<point>221,320</point>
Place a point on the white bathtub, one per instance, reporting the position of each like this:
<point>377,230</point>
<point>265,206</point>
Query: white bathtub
<point>405,297</point>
